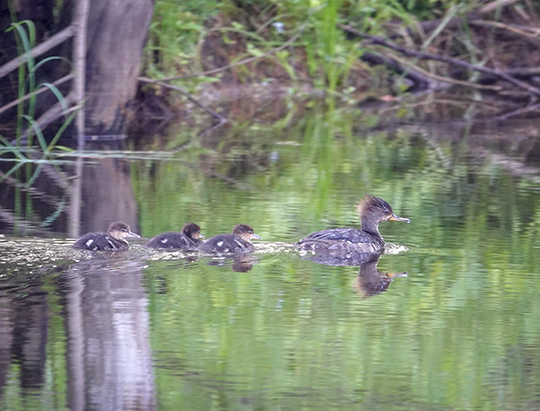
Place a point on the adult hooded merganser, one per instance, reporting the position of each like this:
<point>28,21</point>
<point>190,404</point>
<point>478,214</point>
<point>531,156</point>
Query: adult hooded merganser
<point>188,239</point>
<point>237,242</point>
<point>371,210</point>
<point>113,239</point>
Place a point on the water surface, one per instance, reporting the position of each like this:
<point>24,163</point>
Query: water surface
<point>451,323</point>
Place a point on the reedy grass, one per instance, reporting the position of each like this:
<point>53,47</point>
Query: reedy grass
<point>32,157</point>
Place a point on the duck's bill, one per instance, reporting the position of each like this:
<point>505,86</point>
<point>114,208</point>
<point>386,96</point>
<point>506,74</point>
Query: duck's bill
<point>131,234</point>
<point>258,237</point>
<point>398,218</point>
<point>396,275</point>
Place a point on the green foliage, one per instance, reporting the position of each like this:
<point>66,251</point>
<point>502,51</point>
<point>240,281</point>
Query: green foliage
<point>178,30</point>
<point>325,53</point>
<point>175,32</point>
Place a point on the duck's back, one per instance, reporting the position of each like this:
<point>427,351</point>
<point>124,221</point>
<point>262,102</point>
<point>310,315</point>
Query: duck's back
<point>226,243</point>
<point>100,241</point>
<point>173,240</point>
<point>340,241</point>
<point>341,234</point>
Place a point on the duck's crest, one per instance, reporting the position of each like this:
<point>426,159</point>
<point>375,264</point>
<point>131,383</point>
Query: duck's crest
<point>370,202</point>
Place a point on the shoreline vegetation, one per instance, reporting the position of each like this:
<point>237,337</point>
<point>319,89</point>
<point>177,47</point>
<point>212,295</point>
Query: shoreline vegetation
<point>359,53</point>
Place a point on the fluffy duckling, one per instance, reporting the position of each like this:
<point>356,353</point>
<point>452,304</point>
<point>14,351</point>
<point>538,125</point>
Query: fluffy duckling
<point>113,239</point>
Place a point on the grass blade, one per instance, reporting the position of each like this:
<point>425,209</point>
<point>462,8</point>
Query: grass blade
<point>15,150</point>
<point>37,130</point>
<point>57,93</point>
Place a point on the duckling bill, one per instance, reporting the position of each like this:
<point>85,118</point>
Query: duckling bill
<point>237,242</point>
<point>113,239</point>
<point>371,210</point>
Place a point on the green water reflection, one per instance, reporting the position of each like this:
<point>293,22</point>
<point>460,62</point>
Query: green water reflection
<point>460,331</point>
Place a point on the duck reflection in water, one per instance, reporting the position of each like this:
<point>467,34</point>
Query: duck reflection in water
<point>371,281</point>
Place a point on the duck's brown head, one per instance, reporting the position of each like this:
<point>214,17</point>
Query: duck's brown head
<point>192,231</point>
<point>121,231</point>
<point>245,232</point>
<point>376,209</point>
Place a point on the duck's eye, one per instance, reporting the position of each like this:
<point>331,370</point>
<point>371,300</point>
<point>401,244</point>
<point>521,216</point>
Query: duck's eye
<point>124,230</point>
<point>387,211</point>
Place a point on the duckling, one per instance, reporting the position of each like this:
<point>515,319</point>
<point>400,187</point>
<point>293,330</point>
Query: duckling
<point>371,210</point>
<point>237,242</point>
<point>188,239</point>
<point>113,239</point>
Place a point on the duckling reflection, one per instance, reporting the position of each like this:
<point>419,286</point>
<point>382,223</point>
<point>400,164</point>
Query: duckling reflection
<point>371,281</point>
<point>241,263</point>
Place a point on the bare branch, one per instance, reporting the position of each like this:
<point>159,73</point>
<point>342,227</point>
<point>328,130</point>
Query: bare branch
<point>429,56</point>
<point>421,71</point>
<point>37,92</point>
<point>494,5</point>
<point>520,111</point>
<point>189,96</point>
<point>54,41</point>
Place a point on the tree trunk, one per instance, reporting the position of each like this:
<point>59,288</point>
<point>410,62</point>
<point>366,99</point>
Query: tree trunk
<point>116,34</point>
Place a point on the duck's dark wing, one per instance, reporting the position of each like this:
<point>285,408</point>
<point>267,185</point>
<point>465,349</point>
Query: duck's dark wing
<point>173,240</point>
<point>343,251</point>
<point>100,241</point>
<point>226,243</point>
<point>339,234</point>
